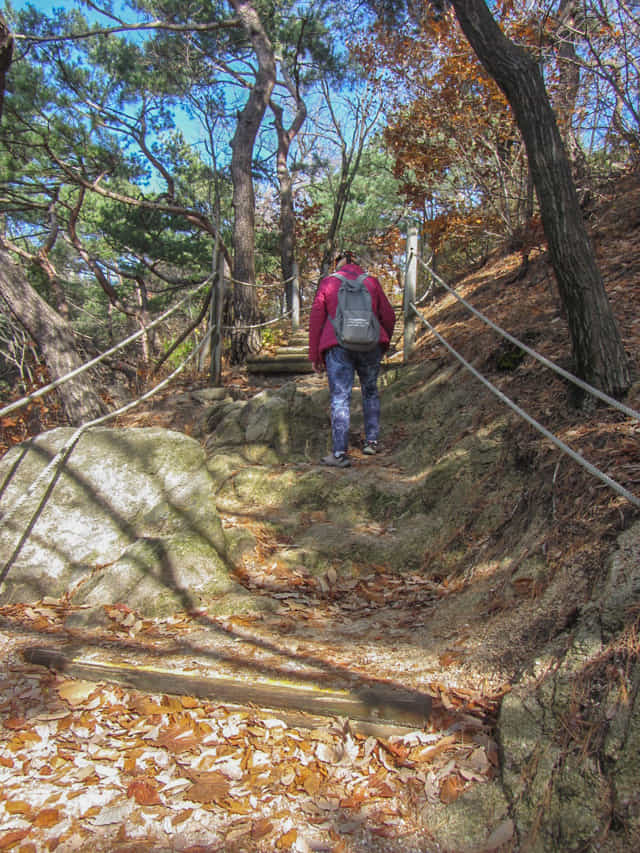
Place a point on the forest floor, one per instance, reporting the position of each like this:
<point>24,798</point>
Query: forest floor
<point>105,767</point>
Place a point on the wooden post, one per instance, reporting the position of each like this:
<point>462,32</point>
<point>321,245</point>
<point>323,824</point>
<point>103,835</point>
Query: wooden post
<point>410,283</point>
<point>295,299</point>
<point>217,300</point>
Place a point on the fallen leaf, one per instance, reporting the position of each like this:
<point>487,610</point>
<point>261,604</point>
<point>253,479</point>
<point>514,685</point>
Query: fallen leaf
<point>15,723</point>
<point>287,840</point>
<point>478,760</point>
<point>177,739</point>
<point>451,789</point>
<point>207,787</point>
<point>144,792</point>
<point>146,707</point>
<point>312,783</point>
<point>428,753</point>
<point>261,828</point>
<point>76,692</point>
<point>17,807</point>
<point>11,838</point>
<point>47,818</point>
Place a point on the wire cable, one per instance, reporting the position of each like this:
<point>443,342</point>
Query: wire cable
<point>632,413</point>
<point>17,404</point>
<point>577,457</point>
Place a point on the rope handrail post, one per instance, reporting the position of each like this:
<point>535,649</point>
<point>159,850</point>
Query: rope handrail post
<point>410,285</point>
<point>216,324</point>
<point>295,299</point>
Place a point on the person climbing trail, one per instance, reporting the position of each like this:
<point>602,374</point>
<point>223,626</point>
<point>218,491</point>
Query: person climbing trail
<point>333,349</point>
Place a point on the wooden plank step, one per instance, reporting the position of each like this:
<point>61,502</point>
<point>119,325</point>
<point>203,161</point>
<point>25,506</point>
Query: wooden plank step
<point>371,708</point>
<point>280,364</point>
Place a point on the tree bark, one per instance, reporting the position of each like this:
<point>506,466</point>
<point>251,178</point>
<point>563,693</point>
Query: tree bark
<point>55,339</point>
<point>598,353</point>
<point>287,215</point>
<point>6,53</point>
<point>244,298</point>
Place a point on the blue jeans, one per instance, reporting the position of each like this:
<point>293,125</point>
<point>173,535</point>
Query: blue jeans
<point>342,365</point>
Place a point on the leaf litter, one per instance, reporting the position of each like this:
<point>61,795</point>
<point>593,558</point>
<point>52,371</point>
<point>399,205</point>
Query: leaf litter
<point>97,766</point>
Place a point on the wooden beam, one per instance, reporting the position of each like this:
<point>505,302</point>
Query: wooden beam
<point>372,709</point>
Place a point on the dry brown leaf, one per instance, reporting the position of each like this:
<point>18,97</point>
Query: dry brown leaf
<point>11,838</point>
<point>312,782</point>
<point>383,789</point>
<point>47,818</point>
<point>287,776</point>
<point>451,789</point>
<point>428,753</point>
<point>478,760</point>
<point>76,692</point>
<point>261,828</point>
<point>189,701</point>
<point>17,807</point>
<point>450,657</point>
<point>181,816</point>
<point>236,806</point>
<point>15,723</point>
<point>207,787</point>
<point>178,739</point>
<point>399,752</point>
<point>144,792</point>
<point>146,707</point>
<point>287,840</point>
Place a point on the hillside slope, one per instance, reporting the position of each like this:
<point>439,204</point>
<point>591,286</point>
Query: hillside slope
<point>471,561</point>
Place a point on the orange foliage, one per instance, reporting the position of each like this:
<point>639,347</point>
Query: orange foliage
<point>450,128</point>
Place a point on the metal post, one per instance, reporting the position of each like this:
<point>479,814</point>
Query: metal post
<point>295,299</point>
<point>410,284</point>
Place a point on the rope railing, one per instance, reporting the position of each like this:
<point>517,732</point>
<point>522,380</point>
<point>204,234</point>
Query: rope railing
<point>61,380</point>
<point>573,454</point>
<point>276,284</point>
<point>611,401</point>
<point>257,325</point>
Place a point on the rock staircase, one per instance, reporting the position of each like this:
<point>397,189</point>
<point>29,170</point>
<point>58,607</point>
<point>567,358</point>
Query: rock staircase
<point>292,357</point>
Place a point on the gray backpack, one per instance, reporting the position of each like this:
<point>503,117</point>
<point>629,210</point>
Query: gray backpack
<point>356,325</point>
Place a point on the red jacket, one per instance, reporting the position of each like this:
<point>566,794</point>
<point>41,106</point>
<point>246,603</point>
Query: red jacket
<point>321,332</point>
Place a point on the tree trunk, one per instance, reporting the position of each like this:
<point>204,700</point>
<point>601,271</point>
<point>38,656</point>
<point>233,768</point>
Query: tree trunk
<point>599,356</point>
<point>245,310</point>
<point>6,52</point>
<point>54,338</point>
<point>287,215</point>
<point>569,84</point>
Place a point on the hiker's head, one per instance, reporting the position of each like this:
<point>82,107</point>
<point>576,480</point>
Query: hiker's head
<point>346,257</point>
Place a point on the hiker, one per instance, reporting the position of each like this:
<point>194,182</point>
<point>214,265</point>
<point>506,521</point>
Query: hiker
<point>342,364</point>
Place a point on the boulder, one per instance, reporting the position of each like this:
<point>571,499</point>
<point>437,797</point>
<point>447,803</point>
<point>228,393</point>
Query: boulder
<point>128,516</point>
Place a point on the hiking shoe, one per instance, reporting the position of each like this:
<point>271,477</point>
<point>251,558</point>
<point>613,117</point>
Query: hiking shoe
<point>370,448</point>
<point>339,460</point>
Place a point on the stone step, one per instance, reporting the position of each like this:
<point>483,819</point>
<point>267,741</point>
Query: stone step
<point>299,351</point>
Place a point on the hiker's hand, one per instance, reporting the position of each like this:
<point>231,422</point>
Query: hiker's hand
<point>318,366</point>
